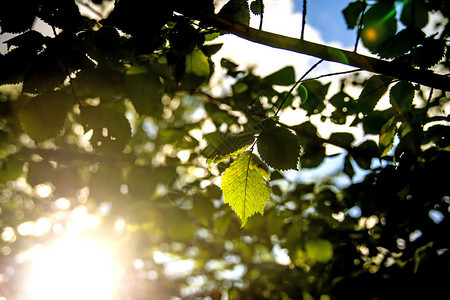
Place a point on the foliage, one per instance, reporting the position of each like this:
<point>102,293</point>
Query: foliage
<point>116,109</point>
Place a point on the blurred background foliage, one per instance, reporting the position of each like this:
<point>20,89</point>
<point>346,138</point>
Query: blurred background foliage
<point>113,118</point>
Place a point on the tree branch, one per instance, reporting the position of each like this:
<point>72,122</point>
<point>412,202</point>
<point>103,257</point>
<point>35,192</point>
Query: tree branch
<point>375,65</point>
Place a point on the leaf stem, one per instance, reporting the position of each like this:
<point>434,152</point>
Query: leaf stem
<point>296,84</point>
<point>303,20</point>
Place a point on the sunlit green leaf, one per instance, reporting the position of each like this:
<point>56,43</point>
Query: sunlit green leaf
<point>245,186</point>
<point>197,63</point>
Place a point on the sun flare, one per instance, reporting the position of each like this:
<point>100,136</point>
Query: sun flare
<point>74,268</point>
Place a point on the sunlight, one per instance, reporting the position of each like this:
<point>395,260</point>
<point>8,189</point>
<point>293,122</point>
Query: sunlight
<point>74,268</point>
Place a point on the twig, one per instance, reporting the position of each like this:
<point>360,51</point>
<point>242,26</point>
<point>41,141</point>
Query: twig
<point>303,20</point>
<point>358,34</point>
<point>333,74</point>
<point>297,83</point>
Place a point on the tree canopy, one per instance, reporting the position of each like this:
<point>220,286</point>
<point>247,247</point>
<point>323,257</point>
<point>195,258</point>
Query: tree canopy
<point>113,114</point>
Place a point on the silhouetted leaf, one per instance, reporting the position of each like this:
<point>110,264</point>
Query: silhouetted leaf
<point>222,146</point>
<point>278,146</point>
<point>367,151</point>
<point>145,91</point>
<point>104,83</point>
<point>373,90</point>
<point>237,11</point>
<point>352,13</point>
<point>284,76</point>
<point>43,116</point>
<point>314,104</point>
<point>401,96</point>
<point>111,129</point>
<point>414,14</point>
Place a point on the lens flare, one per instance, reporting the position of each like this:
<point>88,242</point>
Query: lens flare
<point>74,268</point>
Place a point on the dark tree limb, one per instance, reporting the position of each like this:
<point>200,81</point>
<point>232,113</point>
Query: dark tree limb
<point>350,58</point>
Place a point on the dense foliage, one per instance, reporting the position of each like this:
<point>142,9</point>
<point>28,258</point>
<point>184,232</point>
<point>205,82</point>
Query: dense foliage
<point>114,113</point>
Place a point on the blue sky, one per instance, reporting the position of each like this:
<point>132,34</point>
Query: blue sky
<point>326,16</point>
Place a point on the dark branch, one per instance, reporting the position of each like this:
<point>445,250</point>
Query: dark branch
<point>395,69</point>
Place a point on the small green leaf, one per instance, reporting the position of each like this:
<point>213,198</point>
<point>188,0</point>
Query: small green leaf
<point>401,96</point>
<point>317,92</point>
<point>387,136</point>
<point>257,7</point>
<point>197,63</point>
<point>237,11</point>
<point>44,116</point>
<point>284,77</point>
<point>278,146</point>
<point>373,90</point>
<point>319,249</point>
<point>352,13</point>
<point>245,186</point>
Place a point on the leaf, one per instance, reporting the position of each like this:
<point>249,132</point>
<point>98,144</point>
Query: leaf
<point>313,104</point>
<point>257,7</point>
<point>365,153</point>
<point>320,250</point>
<point>278,146</point>
<point>107,84</point>
<point>111,129</point>
<point>352,13</point>
<point>373,90</point>
<point>46,73</point>
<point>237,11</point>
<point>197,63</point>
<point>414,14</point>
<point>245,186</point>
<point>401,96</point>
<point>145,91</point>
<point>379,25</point>
<point>284,77</point>
<point>387,136</point>
<point>43,117</point>
<point>222,146</point>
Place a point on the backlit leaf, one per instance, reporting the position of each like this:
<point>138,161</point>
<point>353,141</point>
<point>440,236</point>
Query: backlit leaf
<point>222,146</point>
<point>245,186</point>
<point>278,146</point>
<point>373,90</point>
<point>44,116</point>
<point>237,11</point>
<point>145,91</point>
<point>352,12</point>
<point>387,135</point>
<point>197,63</point>
<point>401,96</point>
